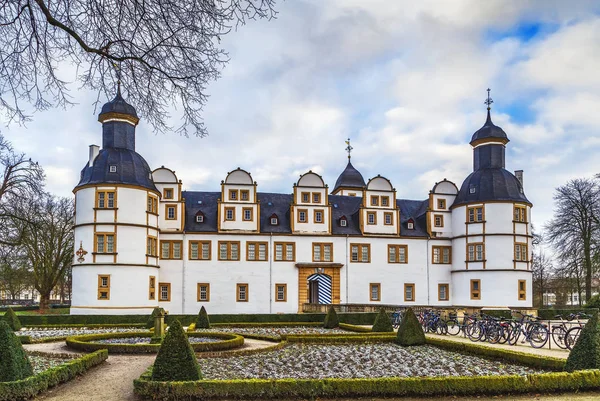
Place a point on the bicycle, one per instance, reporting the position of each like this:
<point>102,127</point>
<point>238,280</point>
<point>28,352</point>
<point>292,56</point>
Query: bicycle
<point>396,318</point>
<point>572,335</point>
<point>534,332</point>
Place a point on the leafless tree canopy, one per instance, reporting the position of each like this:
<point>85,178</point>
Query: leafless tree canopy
<point>166,51</point>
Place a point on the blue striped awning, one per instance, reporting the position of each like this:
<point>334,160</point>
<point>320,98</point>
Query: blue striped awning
<point>324,287</point>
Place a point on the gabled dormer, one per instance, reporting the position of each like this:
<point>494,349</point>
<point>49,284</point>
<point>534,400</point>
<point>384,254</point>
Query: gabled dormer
<point>379,213</point>
<point>439,215</point>
<point>238,207</point>
<point>171,207</point>
<point>274,220</point>
<point>199,217</point>
<point>310,210</point>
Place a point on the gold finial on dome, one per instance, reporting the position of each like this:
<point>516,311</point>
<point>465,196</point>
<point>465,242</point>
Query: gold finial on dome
<point>349,148</point>
<point>489,100</point>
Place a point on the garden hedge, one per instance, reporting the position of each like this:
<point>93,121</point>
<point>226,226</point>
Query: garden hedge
<point>548,314</point>
<point>28,388</point>
<point>203,322</point>
<point>11,318</point>
<point>176,360</point>
<point>14,363</point>
<point>377,387</point>
<point>332,320</point>
<point>86,343</point>
<point>410,331</point>
<point>383,323</point>
<point>355,328</point>
<point>586,352</point>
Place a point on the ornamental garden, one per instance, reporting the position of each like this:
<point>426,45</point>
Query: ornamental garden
<point>284,356</point>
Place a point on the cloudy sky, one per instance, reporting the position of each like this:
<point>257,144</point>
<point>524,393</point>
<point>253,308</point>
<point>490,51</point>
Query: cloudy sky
<point>405,80</point>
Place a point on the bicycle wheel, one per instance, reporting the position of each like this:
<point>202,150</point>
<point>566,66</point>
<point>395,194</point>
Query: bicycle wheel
<point>504,334</point>
<point>559,336</point>
<point>453,327</point>
<point>441,327</point>
<point>474,332</point>
<point>538,335</point>
<point>493,333</point>
<point>514,335</point>
<point>572,336</point>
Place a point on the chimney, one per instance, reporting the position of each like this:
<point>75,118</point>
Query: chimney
<point>94,150</point>
<point>519,175</point>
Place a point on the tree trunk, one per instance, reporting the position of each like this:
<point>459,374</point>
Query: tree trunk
<point>44,302</point>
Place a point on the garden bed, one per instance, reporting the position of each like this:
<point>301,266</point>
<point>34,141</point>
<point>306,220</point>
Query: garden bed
<point>274,331</point>
<point>56,333</point>
<point>146,340</point>
<point>41,361</point>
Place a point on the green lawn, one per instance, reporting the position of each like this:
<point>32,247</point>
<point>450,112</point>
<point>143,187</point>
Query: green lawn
<point>56,311</point>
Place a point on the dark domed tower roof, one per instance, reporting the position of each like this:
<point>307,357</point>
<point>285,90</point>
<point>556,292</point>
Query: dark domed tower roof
<point>490,184</point>
<point>350,178</point>
<point>118,107</point>
<point>489,131</point>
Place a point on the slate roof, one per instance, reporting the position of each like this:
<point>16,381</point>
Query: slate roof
<point>131,169</point>
<point>350,178</point>
<point>118,105</point>
<point>489,130</point>
<point>490,184</point>
<point>279,204</point>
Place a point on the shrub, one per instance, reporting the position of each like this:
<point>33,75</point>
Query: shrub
<point>14,364</point>
<point>155,312</point>
<point>176,360</point>
<point>586,352</point>
<point>191,328</point>
<point>331,320</point>
<point>410,331</point>
<point>13,321</point>
<point>203,322</point>
<point>593,302</point>
<point>383,323</point>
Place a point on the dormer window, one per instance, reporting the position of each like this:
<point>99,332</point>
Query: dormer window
<point>112,168</point>
<point>472,189</point>
<point>199,217</point>
<point>411,224</point>
<point>274,220</point>
<point>343,221</point>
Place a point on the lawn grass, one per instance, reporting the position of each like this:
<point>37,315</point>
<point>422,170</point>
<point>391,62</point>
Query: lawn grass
<point>54,311</point>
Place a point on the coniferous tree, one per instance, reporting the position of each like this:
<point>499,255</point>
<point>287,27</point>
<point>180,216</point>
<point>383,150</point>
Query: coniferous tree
<point>410,331</point>
<point>203,322</point>
<point>14,363</point>
<point>12,319</point>
<point>383,323</point>
<point>176,360</point>
<point>331,320</point>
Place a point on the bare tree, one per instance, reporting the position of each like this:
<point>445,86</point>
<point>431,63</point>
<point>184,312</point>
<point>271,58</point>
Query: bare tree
<point>15,275</point>
<point>48,241</point>
<point>165,52</point>
<point>542,269</point>
<point>574,230</point>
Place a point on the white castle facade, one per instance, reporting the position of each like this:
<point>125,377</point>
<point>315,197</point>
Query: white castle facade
<point>142,242</point>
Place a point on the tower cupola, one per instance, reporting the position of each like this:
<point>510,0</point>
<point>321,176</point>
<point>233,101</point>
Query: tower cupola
<point>489,143</point>
<point>119,120</point>
<point>350,178</point>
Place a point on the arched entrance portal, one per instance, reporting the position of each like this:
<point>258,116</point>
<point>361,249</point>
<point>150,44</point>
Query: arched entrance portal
<point>319,289</point>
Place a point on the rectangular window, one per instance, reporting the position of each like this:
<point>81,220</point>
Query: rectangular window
<point>409,292</point>
<point>229,250</point>
<point>151,246</point>
<point>371,218</point>
<point>285,251</point>
<point>203,292</point>
<point>302,216</point>
<point>360,253</point>
<point>170,249</point>
<point>256,251</point>
<point>104,287</point>
<point>164,292</point>
<point>397,253</point>
<point>171,212</point>
<point>305,197</point>
<point>522,290</point>
<point>322,252</point>
<point>385,201</point>
<point>374,200</point>
<point>168,193</point>
<point>229,214</point>
<point>152,288</point>
<point>441,204</point>
<point>388,218</point>
<point>106,200</point>
<point>521,252</point>
<point>441,254</point>
<point>199,250</point>
<point>242,292</point>
<point>375,292</point>
<point>438,220</point>
<point>280,292</point>
<point>318,216</point>
<point>475,214</point>
<point>105,243</point>
<point>316,197</point>
<point>244,194</point>
<point>520,214</point>
<point>475,252</point>
<point>152,204</point>
<point>476,289</point>
<point>247,213</point>
<point>233,194</point>
<point>443,292</point>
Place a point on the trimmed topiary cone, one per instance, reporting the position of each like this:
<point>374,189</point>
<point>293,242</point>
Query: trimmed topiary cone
<point>331,320</point>
<point>176,360</point>
<point>203,322</point>
<point>150,323</point>
<point>410,331</point>
<point>14,364</point>
<point>383,323</point>
<point>13,321</point>
<point>586,352</point>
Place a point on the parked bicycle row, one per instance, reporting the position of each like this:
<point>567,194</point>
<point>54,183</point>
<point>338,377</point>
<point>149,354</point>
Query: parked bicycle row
<point>521,328</point>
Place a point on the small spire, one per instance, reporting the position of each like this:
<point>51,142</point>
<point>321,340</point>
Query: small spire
<point>348,148</point>
<point>489,100</point>
<point>118,71</point>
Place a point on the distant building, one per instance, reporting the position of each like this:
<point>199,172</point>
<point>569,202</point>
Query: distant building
<point>142,242</point>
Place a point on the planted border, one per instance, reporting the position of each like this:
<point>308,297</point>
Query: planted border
<point>341,339</point>
<point>86,343</point>
<point>242,352</point>
<point>28,388</point>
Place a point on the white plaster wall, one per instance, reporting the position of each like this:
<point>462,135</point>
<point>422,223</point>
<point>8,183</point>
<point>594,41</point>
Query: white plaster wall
<point>85,200</point>
<point>498,218</point>
<point>380,227</point>
<point>239,177</point>
<point>239,223</point>
<point>499,252</point>
<point>238,187</point>
<point>132,205</point>
<point>379,184</point>
<point>312,190</point>
<point>311,179</point>
<point>311,226</point>
<point>458,221</point>
<point>439,274</point>
<point>164,175</point>
<point>498,288</point>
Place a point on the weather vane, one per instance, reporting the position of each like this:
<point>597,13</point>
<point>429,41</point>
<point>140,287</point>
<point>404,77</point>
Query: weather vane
<point>117,67</point>
<point>348,148</point>
<point>489,100</point>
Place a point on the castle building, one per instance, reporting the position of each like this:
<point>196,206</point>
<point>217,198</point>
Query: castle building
<point>143,242</point>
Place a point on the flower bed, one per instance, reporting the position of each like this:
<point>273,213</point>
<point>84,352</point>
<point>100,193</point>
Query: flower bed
<point>43,334</point>
<point>273,331</point>
<point>90,342</point>
<point>41,361</point>
<point>146,340</point>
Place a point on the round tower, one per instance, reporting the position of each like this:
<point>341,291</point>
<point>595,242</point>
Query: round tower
<point>116,222</point>
<point>492,239</point>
